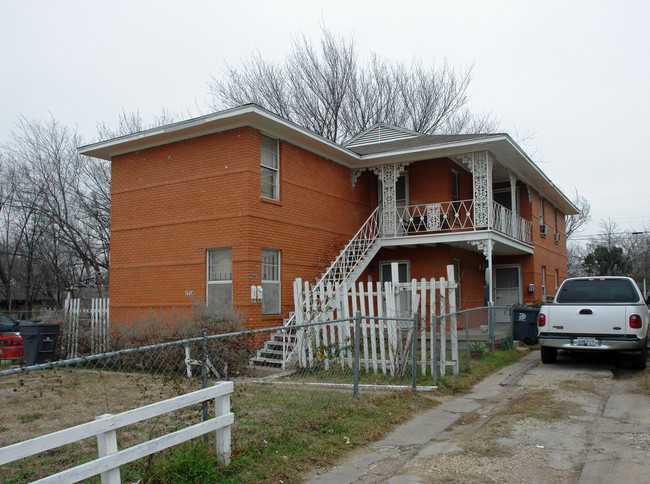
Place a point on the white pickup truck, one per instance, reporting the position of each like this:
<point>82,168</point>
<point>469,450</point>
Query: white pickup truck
<point>595,314</point>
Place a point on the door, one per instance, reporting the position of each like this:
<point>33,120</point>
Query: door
<point>403,303</point>
<point>507,290</point>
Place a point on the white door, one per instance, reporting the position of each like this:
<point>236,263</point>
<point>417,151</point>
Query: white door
<point>403,302</point>
<point>507,290</point>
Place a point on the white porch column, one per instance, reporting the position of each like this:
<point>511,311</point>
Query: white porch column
<point>513,204</point>
<point>388,175</point>
<point>486,247</point>
<point>480,164</point>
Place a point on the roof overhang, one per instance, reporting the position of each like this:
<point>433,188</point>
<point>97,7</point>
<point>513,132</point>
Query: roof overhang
<point>507,153</point>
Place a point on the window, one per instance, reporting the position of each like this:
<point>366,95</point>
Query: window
<point>541,211</point>
<point>271,281</point>
<point>557,279</point>
<point>543,282</point>
<point>219,284</point>
<point>555,221</point>
<point>583,291</point>
<point>269,168</point>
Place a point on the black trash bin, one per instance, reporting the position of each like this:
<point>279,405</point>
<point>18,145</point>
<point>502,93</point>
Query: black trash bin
<point>40,341</point>
<point>524,324</point>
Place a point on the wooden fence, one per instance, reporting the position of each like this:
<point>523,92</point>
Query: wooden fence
<point>94,319</point>
<point>385,343</point>
<point>104,427</point>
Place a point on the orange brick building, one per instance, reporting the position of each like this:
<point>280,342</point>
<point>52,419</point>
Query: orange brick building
<point>215,208</point>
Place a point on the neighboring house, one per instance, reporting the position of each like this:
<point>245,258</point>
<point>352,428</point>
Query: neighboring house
<point>211,208</point>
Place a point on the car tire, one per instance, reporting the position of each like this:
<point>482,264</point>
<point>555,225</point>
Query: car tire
<point>549,355</point>
<point>640,360</point>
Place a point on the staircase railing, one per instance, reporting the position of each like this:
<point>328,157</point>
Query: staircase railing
<point>345,264</point>
<point>353,253</point>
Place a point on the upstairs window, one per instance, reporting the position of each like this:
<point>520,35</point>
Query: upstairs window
<point>269,168</point>
<point>219,283</point>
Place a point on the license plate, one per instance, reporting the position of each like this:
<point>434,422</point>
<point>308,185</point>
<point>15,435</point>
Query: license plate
<point>586,342</point>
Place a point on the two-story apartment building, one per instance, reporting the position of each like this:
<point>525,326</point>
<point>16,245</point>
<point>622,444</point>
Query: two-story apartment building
<point>209,209</point>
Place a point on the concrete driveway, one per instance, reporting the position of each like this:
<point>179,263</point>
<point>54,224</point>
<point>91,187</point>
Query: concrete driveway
<point>582,420</point>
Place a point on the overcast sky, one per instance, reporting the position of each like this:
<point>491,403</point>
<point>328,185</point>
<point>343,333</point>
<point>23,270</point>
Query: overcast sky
<point>568,79</point>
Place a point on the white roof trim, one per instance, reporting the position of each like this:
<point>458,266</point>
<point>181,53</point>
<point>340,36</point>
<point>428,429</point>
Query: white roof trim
<point>502,146</point>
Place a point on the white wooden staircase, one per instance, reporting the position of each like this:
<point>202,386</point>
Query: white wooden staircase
<point>348,266</point>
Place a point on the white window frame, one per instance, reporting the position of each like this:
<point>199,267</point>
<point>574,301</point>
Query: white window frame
<point>274,170</point>
<point>276,281</point>
<point>209,282</point>
<point>543,283</point>
<point>541,211</point>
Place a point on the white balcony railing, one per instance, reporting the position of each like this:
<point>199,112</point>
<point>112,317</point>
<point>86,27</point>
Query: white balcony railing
<point>455,216</point>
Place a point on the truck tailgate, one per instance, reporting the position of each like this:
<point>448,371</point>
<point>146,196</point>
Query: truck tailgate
<point>591,319</point>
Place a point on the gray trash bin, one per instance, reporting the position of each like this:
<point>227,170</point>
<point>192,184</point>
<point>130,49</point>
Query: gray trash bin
<point>40,341</point>
<point>524,324</point>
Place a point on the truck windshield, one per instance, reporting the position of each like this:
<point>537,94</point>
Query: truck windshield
<point>597,291</point>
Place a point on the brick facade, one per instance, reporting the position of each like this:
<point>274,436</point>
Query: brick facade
<point>173,202</point>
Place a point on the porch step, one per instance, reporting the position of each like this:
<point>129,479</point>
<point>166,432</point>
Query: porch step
<point>280,345</point>
<point>258,361</point>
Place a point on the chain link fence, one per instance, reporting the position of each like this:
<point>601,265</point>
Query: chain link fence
<point>319,370</point>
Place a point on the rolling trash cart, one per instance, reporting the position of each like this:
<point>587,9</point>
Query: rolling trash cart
<point>524,324</point>
<point>40,341</point>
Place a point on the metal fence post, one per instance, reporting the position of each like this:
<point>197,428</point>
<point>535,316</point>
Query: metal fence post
<point>467,336</point>
<point>491,324</point>
<point>434,350</point>
<point>357,340</point>
<point>414,356</point>
<point>204,374</point>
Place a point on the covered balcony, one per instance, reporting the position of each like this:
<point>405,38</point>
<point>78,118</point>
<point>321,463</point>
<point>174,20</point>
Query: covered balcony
<point>454,220</point>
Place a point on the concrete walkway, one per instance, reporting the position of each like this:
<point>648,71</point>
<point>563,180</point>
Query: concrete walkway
<point>413,439</point>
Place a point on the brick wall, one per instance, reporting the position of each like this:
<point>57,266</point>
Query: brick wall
<point>171,203</point>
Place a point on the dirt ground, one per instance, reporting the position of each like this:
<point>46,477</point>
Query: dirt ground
<point>543,428</point>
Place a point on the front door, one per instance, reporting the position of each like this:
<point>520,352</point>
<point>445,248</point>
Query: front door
<point>403,302</point>
<point>507,290</point>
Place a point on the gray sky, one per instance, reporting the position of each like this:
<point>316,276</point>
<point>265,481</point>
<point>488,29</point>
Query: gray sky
<point>568,79</point>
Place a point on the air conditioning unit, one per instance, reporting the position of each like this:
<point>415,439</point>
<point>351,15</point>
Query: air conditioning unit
<point>557,237</point>
<point>543,229</point>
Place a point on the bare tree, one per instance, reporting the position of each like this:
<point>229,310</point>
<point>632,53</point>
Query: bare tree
<point>328,91</point>
<point>71,192</point>
<point>575,222</point>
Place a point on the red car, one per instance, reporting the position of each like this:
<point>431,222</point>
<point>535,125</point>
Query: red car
<point>11,344</point>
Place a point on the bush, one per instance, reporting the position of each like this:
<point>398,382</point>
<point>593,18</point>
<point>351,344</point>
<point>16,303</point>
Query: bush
<point>229,355</point>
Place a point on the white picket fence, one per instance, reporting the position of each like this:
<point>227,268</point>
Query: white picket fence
<point>104,427</point>
<point>385,344</point>
<point>97,316</point>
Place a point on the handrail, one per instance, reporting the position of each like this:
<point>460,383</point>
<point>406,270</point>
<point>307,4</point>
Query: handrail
<point>456,216</point>
<point>344,265</point>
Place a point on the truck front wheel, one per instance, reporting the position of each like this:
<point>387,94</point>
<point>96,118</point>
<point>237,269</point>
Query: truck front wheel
<point>549,355</point>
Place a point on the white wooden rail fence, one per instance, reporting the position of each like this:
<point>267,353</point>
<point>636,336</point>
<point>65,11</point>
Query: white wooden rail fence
<point>98,317</point>
<point>384,344</point>
<point>105,426</point>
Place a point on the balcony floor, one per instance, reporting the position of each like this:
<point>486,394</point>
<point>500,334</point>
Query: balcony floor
<point>503,244</point>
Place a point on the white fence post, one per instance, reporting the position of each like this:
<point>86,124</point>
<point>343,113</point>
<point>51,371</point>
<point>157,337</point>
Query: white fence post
<point>107,444</point>
<point>223,435</point>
